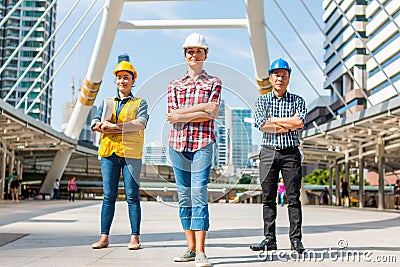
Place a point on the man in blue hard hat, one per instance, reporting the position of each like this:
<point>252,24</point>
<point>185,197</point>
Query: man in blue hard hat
<point>279,115</point>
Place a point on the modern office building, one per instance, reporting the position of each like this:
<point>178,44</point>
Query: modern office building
<point>15,62</point>
<point>362,55</point>
<point>222,138</point>
<point>156,154</point>
<point>123,57</point>
<point>240,132</point>
<point>345,53</point>
<point>383,32</point>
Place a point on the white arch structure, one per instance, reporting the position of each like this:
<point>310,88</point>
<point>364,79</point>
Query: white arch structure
<point>254,22</point>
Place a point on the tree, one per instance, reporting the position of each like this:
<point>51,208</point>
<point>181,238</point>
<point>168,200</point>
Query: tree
<point>317,177</point>
<point>321,177</point>
<point>246,179</point>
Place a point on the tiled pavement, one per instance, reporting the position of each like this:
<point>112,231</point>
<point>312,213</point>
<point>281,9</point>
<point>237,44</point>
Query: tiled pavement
<point>59,233</point>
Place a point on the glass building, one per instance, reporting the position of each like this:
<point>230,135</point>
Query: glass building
<point>15,29</point>
<point>383,81</point>
<point>240,133</point>
<point>222,138</point>
<point>345,54</point>
<point>362,52</point>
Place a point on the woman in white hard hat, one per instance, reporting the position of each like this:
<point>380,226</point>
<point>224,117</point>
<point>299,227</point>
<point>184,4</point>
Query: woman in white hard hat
<point>193,103</point>
<point>121,120</point>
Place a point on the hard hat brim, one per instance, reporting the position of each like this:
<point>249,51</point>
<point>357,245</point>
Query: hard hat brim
<point>194,46</point>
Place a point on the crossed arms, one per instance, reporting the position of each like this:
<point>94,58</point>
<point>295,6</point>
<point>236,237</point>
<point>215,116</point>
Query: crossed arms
<point>196,113</point>
<point>282,125</point>
<point>109,127</point>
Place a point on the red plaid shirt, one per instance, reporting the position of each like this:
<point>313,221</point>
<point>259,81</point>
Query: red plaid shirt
<point>184,92</point>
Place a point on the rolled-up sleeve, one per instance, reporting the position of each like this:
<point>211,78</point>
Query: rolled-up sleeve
<point>172,100</point>
<point>261,112</point>
<point>301,109</point>
<point>97,116</point>
<point>215,95</point>
<point>142,114</point>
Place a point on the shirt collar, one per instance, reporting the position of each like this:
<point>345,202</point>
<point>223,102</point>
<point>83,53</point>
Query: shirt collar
<point>130,96</point>
<point>186,76</point>
<point>285,95</point>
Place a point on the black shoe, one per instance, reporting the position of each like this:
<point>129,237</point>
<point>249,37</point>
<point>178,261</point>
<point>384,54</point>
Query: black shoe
<point>265,245</point>
<point>298,246</point>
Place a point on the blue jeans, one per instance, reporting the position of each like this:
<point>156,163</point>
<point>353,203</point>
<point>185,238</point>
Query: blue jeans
<point>282,199</point>
<point>111,170</point>
<point>192,171</point>
<point>56,193</point>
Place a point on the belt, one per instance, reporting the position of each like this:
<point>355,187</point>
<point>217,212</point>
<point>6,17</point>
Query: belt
<point>277,148</point>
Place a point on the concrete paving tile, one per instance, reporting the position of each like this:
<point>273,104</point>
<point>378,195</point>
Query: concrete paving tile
<point>7,260</point>
<point>58,230</point>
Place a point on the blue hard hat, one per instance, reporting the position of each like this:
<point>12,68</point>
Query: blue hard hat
<point>279,64</point>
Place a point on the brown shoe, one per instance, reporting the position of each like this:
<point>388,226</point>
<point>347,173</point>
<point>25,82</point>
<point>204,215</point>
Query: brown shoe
<point>99,245</point>
<point>134,246</point>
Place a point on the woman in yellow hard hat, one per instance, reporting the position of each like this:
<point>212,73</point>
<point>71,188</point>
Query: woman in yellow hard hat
<point>121,120</point>
<point>193,103</point>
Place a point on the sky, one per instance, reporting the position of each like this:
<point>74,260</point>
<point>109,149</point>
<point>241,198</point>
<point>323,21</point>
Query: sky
<point>158,58</point>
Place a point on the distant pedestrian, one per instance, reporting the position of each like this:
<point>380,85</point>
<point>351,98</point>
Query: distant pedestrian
<point>72,188</point>
<point>15,181</point>
<point>281,192</point>
<point>371,202</point>
<point>324,196</point>
<point>56,189</point>
<point>396,194</point>
<point>345,189</point>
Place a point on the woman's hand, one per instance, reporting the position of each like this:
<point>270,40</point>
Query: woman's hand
<point>106,127</point>
<point>172,117</point>
<point>212,108</point>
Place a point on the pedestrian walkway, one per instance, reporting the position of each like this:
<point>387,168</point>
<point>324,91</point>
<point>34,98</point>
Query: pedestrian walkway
<point>59,233</point>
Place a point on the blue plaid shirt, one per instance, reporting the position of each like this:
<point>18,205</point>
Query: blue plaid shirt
<point>268,106</point>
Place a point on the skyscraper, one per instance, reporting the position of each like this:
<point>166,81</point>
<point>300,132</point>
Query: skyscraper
<point>384,43</point>
<point>123,57</point>
<point>240,134</point>
<point>222,138</point>
<point>15,62</point>
<point>345,54</point>
<point>366,38</point>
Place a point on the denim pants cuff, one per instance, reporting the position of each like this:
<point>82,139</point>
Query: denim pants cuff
<point>185,221</point>
<point>200,224</point>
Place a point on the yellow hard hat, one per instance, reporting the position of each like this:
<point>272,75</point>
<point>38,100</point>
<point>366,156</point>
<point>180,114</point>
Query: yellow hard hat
<point>126,66</point>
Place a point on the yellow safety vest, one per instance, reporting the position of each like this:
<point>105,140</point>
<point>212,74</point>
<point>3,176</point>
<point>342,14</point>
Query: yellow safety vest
<point>127,145</point>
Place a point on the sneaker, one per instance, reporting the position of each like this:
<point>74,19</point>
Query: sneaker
<point>189,255</point>
<point>201,260</point>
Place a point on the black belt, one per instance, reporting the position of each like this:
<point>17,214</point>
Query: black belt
<point>277,148</point>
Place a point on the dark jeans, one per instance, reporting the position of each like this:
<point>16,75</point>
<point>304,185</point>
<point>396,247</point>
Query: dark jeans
<point>287,161</point>
<point>72,195</point>
<point>56,193</point>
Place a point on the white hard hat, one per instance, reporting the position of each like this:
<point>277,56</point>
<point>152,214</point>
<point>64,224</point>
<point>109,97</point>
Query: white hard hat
<point>195,40</point>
